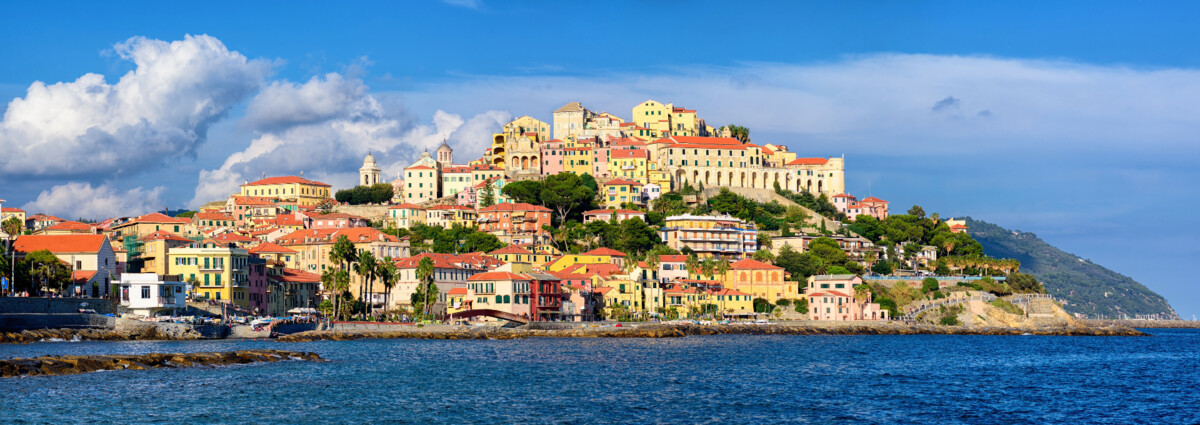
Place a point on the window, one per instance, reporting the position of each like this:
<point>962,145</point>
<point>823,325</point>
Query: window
<point>145,292</point>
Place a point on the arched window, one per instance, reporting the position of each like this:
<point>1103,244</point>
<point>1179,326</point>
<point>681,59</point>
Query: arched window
<point>507,300</point>
<point>499,299</point>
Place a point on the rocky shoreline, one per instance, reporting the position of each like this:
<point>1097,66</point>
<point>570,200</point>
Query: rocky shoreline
<point>70,365</point>
<point>1147,324</point>
<point>39,335</point>
<point>677,331</point>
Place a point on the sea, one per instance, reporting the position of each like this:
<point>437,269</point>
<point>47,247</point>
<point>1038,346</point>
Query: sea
<point>724,379</point>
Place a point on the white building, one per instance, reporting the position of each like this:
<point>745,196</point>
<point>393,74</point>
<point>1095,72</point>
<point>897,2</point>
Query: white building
<point>144,294</point>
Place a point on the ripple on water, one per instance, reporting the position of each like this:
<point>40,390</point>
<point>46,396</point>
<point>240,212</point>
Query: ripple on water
<point>713,379</point>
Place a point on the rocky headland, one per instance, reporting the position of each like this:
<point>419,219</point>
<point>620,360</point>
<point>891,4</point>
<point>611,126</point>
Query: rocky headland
<point>70,365</point>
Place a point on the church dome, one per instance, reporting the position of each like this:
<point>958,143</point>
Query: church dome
<point>370,159</point>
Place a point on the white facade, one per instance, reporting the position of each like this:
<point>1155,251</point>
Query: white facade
<point>144,294</point>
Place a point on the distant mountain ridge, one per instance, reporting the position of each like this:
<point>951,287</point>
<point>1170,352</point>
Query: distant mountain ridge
<point>1086,287</point>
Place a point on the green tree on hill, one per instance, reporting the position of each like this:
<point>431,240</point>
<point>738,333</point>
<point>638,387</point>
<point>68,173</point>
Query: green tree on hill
<point>526,191</point>
<point>487,195</point>
<point>566,194</point>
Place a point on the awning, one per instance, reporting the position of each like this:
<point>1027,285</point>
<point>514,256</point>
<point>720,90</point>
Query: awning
<point>302,310</point>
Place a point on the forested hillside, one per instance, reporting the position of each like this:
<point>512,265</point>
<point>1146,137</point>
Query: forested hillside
<point>1088,288</point>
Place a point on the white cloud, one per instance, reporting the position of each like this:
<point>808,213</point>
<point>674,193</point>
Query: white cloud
<point>469,4</point>
<point>75,200</point>
<point>325,127</point>
<point>159,110</point>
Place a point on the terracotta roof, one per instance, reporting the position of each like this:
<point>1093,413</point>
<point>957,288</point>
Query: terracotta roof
<point>285,180</point>
<point>456,169</point>
<point>165,236</point>
<point>750,263</point>
<point>81,276</point>
<point>270,248</point>
<point>628,153</point>
<point>603,290</point>
<point>212,216</point>
<point>727,292</point>
<point>515,206</point>
<point>60,243</point>
<point>672,258</point>
<point>160,218</point>
<point>873,199</point>
<point>458,291</point>
<point>808,161</point>
<point>331,216</point>
<point>419,167</point>
<point>610,211</point>
<point>12,210</point>
<point>70,225</point>
<point>605,251</point>
<point>842,195</point>
<point>498,276</point>
<point>450,261</point>
<point>622,182</point>
<point>44,217</point>
<point>287,220</point>
<point>328,236</point>
<point>511,250</point>
<point>296,275</point>
<point>958,226</point>
<point>828,292</point>
<point>233,237</point>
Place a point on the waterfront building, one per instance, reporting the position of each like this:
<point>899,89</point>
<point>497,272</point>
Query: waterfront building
<point>519,259</point>
<point>90,257</point>
<point>289,289</point>
<point>146,294</point>
<point>214,273</point>
<point>761,280</point>
<point>152,257</point>
<point>710,236</point>
<point>833,297</point>
<point>450,271</point>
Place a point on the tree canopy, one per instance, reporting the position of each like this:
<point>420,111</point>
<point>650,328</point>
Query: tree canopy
<point>375,194</point>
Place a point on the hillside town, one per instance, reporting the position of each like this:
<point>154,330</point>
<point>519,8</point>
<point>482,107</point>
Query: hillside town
<point>587,217</point>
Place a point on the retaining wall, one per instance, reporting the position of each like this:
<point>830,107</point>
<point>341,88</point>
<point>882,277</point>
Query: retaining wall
<point>53,305</point>
<point>16,322</point>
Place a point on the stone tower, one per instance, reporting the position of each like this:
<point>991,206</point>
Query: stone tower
<point>369,173</point>
<point>445,155</point>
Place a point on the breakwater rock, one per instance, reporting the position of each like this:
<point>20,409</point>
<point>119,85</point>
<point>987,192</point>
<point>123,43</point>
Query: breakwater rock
<point>676,331</point>
<point>70,365</point>
<point>147,333</point>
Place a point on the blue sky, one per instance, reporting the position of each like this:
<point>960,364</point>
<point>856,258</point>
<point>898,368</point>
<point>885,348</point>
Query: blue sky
<point>1073,120</point>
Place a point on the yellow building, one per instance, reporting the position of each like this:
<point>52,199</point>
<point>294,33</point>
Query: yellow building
<point>155,249</point>
<point>215,273</point>
<point>7,212</point>
<point>595,256</point>
<point>275,253</point>
<point>406,215</point>
<point>617,192</point>
<point>760,280</point>
<point>288,188</point>
<point>313,246</point>
<point>446,216</point>
<point>577,159</point>
<point>629,164</point>
<point>520,260</point>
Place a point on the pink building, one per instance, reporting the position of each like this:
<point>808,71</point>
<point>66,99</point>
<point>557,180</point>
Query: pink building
<point>606,214</point>
<point>852,207</point>
<point>552,157</point>
<point>672,267</point>
<point>334,221</point>
<point>257,285</point>
<point>831,297</point>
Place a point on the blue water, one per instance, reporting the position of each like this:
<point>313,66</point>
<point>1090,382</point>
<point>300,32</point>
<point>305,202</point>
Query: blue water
<point>717,379</point>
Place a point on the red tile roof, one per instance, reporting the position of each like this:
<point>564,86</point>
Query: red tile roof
<point>511,250</point>
<point>60,243</point>
<point>328,236</point>
<point>672,258</point>
<point>82,276</point>
<point>11,210</point>
<point>458,291</point>
<point>212,216</point>
<point>270,248</point>
<point>164,236</point>
<point>285,180</point>
<point>610,211</point>
<point>160,218</point>
<point>808,161</point>
<point>70,225</point>
<point>622,182</point>
<point>628,153</point>
<point>605,251</point>
<point>296,275</point>
<point>498,276</point>
<point>750,263</point>
<point>515,206</point>
<point>419,167</point>
<point>873,199</point>
<point>233,237</point>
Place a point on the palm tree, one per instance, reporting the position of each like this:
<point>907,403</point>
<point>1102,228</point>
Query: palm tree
<point>365,267</point>
<point>341,253</point>
<point>425,277</point>
<point>693,264</point>
<point>388,275</point>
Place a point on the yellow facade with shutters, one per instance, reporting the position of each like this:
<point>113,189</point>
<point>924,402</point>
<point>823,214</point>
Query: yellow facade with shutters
<point>218,273</point>
<point>305,194</point>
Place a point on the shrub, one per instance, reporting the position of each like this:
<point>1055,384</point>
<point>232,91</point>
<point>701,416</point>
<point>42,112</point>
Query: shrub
<point>950,320</point>
<point>1007,307</point>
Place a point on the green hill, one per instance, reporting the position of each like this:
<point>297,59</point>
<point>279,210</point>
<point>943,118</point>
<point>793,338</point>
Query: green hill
<point>1086,287</point>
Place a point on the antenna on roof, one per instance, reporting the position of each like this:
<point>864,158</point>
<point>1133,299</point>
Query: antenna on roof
<point>264,174</point>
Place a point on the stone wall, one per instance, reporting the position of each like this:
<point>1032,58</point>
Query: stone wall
<point>370,212</point>
<point>15,322</point>
<point>53,305</point>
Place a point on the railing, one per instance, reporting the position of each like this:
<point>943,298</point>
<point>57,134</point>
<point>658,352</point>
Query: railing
<point>961,278</point>
<point>913,314</point>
